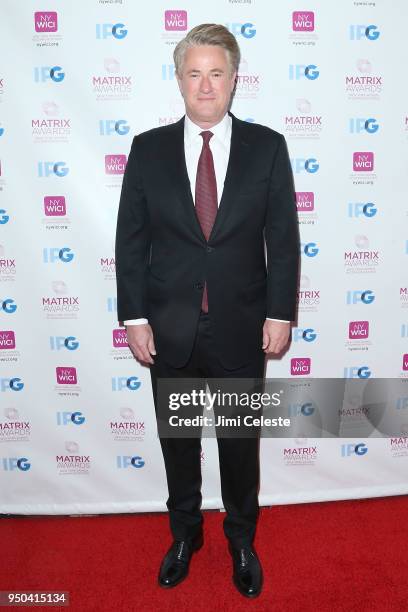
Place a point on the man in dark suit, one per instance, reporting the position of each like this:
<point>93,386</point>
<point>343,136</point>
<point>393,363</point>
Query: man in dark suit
<point>200,200</point>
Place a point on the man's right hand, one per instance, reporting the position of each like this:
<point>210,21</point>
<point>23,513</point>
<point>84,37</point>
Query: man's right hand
<point>141,342</point>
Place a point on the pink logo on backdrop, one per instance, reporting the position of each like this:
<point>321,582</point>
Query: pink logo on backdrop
<point>115,164</point>
<point>46,21</point>
<point>305,201</point>
<point>303,21</point>
<point>66,376</point>
<point>300,366</point>
<point>54,206</point>
<point>358,329</point>
<point>7,340</point>
<point>119,338</point>
<point>175,21</point>
<point>405,362</point>
<point>363,161</point>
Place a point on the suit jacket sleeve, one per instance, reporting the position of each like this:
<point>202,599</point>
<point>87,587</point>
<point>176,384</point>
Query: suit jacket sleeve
<point>132,247</point>
<point>282,239</point>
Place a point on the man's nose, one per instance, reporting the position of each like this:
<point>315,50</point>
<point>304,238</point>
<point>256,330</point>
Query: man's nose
<point>205,84</point>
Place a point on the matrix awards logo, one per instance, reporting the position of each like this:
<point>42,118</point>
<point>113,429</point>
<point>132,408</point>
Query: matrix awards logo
<point>60,304</point>
<point>71,461</point>
<point>248,84</point>
<point>107,268</point>
<point>358,336</point>
<point>46,29</point>
<point>303,29</point>
<point>364,84</point>
<point>403,296</point>
<point>120,345</point>
<point>363,260</point>
<point>50,128</point>
<point>303,125</point>
<point>176,111</point>
<point>300,366</point>
<point>300,454</point>
<point>363,168</point>
<point>127,428</point>
<point>399,447</point>
<point>67,381</point>
<point>113,84</point>
<point>8,268</point>
<point>13,428</point>
<point>308,296</point>
<point>8,350</point>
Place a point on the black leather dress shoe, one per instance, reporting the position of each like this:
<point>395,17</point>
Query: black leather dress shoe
<point>174,567</point>
<point>247,575</point>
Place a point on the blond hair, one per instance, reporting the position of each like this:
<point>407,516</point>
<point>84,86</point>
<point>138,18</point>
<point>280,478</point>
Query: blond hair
<point>208,34</point>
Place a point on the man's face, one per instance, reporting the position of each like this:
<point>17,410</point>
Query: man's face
<point>206,84</point>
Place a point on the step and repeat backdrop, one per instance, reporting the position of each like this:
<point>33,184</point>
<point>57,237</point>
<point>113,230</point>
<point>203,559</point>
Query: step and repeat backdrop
<point>77,81</point>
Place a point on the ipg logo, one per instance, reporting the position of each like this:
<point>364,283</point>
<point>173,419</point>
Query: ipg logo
<point>53,254</point>
<point>49,168</point>
<point>308,334</point>
<point>112,304</point>
<point>126,461</point>
<point>11,384</point>
<point>360,124</point>
<point>301,71</point>
<point>168,72</point>
<point>45,73</point>
<point>8,306</point>
<point>347,450</point>
<point>247,30</point>
<point>300,164</point>
<point>119,383</point>
<point>4,217</point>
<point>360,209</point>
<point>61,342</point>
<point>70,418</point>
<point>306,409</point>
<point>107,127</point>
<point>357,372</point>
<point>359,31</point>
<point>356,297</point>
<point>106,30</point>
<point>16,463</point>
<point>310,249</point>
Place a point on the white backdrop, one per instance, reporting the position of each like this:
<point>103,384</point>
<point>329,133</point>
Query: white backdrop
<point>77,81</point>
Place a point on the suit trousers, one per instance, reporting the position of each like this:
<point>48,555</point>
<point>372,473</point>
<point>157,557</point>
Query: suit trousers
<point>238,457</point>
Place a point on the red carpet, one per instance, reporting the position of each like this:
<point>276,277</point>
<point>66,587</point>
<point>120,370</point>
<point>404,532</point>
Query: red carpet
<point>350,555</point>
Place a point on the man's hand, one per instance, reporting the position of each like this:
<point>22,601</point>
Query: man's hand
<point>141,342</point>
<point>275,336</point>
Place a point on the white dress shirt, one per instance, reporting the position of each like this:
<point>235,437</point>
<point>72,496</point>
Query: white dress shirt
<point>220,144</point>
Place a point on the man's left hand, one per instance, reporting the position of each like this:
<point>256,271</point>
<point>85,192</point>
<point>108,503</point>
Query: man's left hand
<point>275,336</point>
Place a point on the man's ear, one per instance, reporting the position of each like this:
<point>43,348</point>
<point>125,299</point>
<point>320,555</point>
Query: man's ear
<point>233,81</point>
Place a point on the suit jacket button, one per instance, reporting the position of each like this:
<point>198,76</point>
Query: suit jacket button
<point>199,286</point>
<point>209,249</point>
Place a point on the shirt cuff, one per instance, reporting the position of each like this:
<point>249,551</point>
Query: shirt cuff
<point>135,322</point>
<point>280,320</point>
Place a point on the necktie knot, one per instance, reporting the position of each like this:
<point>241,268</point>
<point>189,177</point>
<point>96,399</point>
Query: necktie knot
<point>207,135</point>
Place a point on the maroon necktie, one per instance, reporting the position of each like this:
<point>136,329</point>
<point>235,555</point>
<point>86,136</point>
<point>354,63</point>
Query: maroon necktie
<point>206,196</point>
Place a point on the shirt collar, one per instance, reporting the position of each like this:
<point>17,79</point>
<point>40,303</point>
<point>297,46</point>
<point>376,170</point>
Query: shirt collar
<point>221,130</point>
